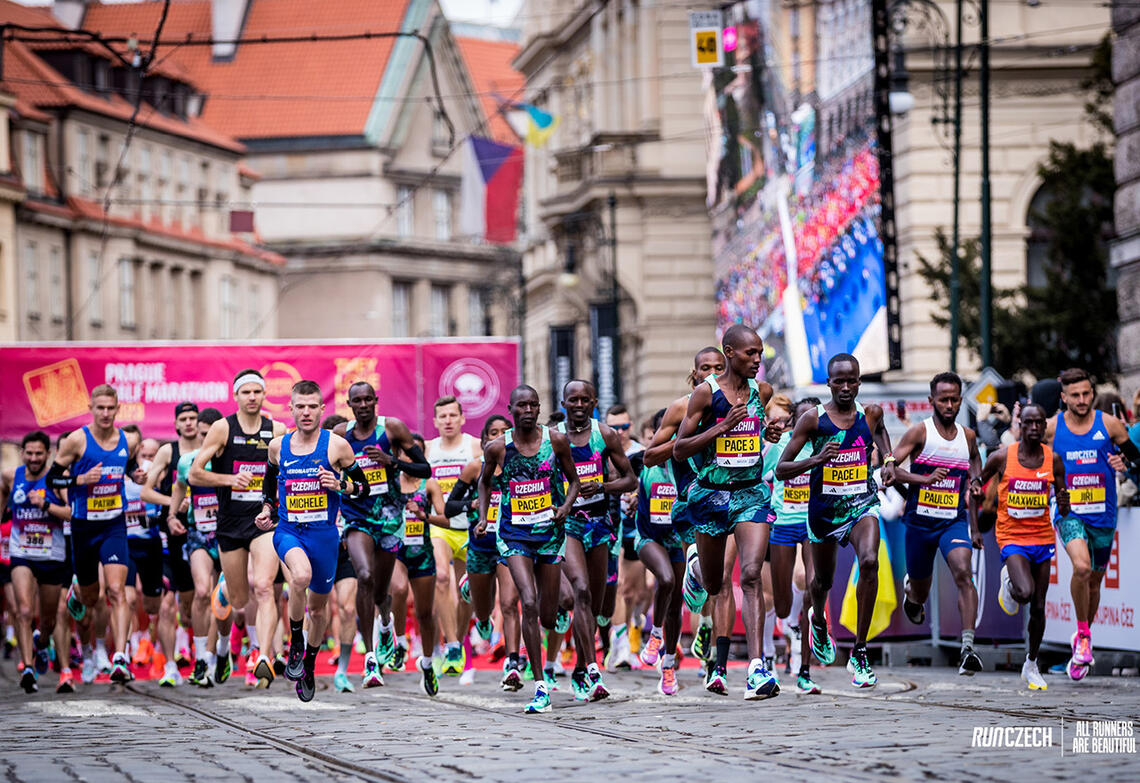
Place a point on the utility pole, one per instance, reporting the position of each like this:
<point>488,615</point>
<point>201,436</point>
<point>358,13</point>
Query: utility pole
<point>955,274</point>
<point>987,238</point>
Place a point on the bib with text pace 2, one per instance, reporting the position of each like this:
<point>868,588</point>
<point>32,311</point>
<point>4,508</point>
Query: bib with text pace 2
<point>531,502</point>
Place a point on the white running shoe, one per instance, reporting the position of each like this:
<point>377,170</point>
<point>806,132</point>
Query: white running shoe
<point>1031,675</point>
<point>467,678</point>
<point>1005,594</point>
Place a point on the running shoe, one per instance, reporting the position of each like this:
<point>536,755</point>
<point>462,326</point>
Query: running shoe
<point>651,653</point>
<point>182,659</point>
<point>1082,650</point>
<point>144,652</point>
<point>969,662</point>
<point>794,662</point>
<point>223,668</point>
<point>428,679</point>
<point>219,601</point>
<point>385,646</point>
<point>263,671</point>
<point>42,660</point>
<point>279,664</point>
<point>121,670</point>
<point>90,670</point>
<point>307,683</point>
<point>485,629</point>
<point>761,683</point>
<point>598,690</point>
<point>295,668</point>
<point>28,680</point>
<point>562,621</point>
<point>619,654</point>
<point>691,588</point>
<point>702,643</point>
<point>75,606</point>
<point>251,660</point>
<point>667,686</point>
<point>468,677</point>
<point>1076,671</point>
<point>805,684</point>
<point>372,677</point>
<point>527,669</point>
<point>860,668</point>
<point>201,674</point>
<point>580,685</point>
<point>914,612</point>
<point>821,642</point>
<point>250,679</point>
<point>716,682</point>
<point>1005,594</point>
<point>341,683</point>
<point>540,702</point>
<point>549,679</point>
<point>465,588</point>
<point>512,679</point>
<point>66,682</point>
<point>399,658</point>
<point>102,662</point>
<point>1032,676</point>
<point>454,660</point>
<point>170,679</point>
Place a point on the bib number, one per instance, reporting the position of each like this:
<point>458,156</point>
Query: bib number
<point>740,446</point>
<point>136,516</point>
<point>306,501</point>
<point>1027,498</point>
<point>797,492</point>
<point>939,500</point>
<point>413,529</point>
<point>252,493</point>
<point>588,472</point>
<point>206,512</point>
<point>493,511</point>
<point>846,474</point>
<point>34,541</point>
<point>105,499</point>
<point>662,494</point>
<point>531,503</point>
<point>376,474</point>
<point>1086,493</point>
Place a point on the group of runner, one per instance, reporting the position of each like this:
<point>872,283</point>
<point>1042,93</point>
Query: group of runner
<point>538,529</point>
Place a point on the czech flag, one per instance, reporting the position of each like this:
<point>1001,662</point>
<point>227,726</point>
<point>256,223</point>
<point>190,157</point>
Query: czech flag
<point>489,189</point>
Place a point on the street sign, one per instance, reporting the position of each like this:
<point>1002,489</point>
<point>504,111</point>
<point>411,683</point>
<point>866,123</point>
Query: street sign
<point>984,389</point>
<point>706,39</point>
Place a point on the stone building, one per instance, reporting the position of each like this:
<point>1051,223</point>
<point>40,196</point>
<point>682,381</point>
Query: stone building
<point>1125,252</point>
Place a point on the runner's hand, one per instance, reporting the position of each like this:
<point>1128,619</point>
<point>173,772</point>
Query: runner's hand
<point>1063,501</point>
<point>935,476</point>
<point>328,479</point>
<point>184,506</point>
<point>264,520</point>
<point>1116,462</point>
<point>37,499</point>
<point>139,476</point>
<point>241,480</point>
<point>587,489</point>
<point>977,490</point>
<point>561,512</point>
<point>378,455</point>
<point>175,525</point>
<point>481,528</point>
<point>976,539</point>
<point>417,509</point>
<point>829,452</point>
<point>92,476</point>
<point>736,414</point>
<point>773,431</point>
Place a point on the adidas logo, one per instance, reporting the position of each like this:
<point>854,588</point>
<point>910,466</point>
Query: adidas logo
<point>1099,436</point>
<point>122,452</point>
<point>113,559</point>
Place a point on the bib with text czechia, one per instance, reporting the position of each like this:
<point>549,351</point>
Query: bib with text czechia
<point>588,472</point>
<point>661,497</point>
<point>1027,497</point>
<point>493,511</point>
<point>306,501</point>
<point>105,499</point>
<point>35,540</point>
<point>252,493</point>
<point>446,475</point>
<point>940,499</point>
<point>376,474</point>
<point>136,517</point>
<point>740,446</point>
<point>206,512</point>
<point>797,491</point>
<point>531,503</point>
<point>1086,493</point>
<point>846,474</point>
<point>413,528</point>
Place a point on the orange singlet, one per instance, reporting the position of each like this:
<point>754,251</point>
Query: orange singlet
<point>1023,501</point>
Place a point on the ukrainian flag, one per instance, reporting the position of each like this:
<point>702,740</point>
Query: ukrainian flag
<point>886,600</point>
<point>542,124</point>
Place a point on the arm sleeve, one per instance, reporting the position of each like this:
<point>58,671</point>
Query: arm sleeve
<point>418,465</point>
<point>269,485</point>
<point>1130,453</point>
<point>359,480</point>
<point>57,480</point>
<point>457,502</point>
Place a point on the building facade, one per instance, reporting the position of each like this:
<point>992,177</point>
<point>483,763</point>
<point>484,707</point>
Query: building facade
<point>1125,252</point>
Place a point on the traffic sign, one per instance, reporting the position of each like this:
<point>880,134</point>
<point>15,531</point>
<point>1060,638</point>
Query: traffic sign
<point>984,389</point>
<point>706,33</point>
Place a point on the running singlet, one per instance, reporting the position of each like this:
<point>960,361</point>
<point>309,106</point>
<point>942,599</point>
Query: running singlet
<point>446,467</point>
<point>36,534</point>
<point>656,498</point>
<point>492,516</point>
<point>248,453</point>
<point>943,502</point>
<point>1023,501</point>
<point>844,486</point>
<point>590,461</point>
<point>105,500</point>
<point>301,500</point>
<point>734,460</point>
<point>789,498</point>
<point>531,489</point>
<point>1091,481</point>
<point>138,512</point>
<point>166,486</point>
<point>203,515</point>
<point>416,531</point>
<point>358,509</point>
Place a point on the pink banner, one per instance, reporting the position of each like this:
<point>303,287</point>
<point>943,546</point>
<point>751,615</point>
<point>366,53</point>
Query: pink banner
<point>47,387</point>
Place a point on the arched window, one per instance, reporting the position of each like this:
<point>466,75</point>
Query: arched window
<point>1037,242</point>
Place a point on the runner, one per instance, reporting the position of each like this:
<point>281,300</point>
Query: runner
<point>344,591</point>
<point>237,449</point>
<point>201,532</point>
<point>99,457</point>
<point>945,471</point>
<point>38,554</point>
<point>632,596</point>
<point>589,529</point>
<point>789,533</point>
<point>535,504</point>
<point>302,500</point>
<point>1025,472</point>
<point>844,502</point>
<point>373,525</point>
<point>722,432</point>
<point>448,454</point>
<point>1087,441</point>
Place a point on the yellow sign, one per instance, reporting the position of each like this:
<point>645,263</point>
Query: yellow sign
<point>987,394</point>
<point>707,52</point>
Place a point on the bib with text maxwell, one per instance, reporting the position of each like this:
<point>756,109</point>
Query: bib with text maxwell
<point>1027,497</point>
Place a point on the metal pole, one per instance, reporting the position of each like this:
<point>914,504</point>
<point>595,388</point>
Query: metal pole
<point>955,279</point>
<point>986,239</point>
<point>612,202</point>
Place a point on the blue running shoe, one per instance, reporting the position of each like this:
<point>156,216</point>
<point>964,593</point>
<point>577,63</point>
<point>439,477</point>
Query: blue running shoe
<point>540,702</point>
<point>761,683</point>
<point>693,591</point>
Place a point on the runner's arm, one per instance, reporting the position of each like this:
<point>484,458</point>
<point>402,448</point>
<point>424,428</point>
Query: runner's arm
<point>661,447</point>
<point>269,483</point>
<point>68,452</point>
<point>1059,488</point>
<point>560,444</point>
<point>161,462</point>
<point>416,465</point>
<point>912,441</point>
<point>1118,432</point>
<point>788,467</point>
<point>625,480</point>
<point>689,442</point>
<point>7,479</point>
<point>215,441</point>
<point>177,495</point>
<point>457,502</point>
<point>882,440</point>
<point>975,491</point>
<point>341,456</point>
<point>434,507</point>
<point>993,466</point>
<point>492,456</point>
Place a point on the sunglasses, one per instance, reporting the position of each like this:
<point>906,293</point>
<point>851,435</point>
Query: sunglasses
<point>620,426</point>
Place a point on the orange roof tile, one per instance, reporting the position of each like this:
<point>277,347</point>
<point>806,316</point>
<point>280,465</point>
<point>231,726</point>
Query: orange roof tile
<point>303,89</point>
<point>489,63</point>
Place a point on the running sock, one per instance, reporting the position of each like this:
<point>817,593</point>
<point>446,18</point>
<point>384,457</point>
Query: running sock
<point>223,646</point>
<point>602,621</point>
<point>311,656</point>
<point>402,641</point>
<point>656,631</point>
<point>200,651</point>
<point>1083,629</point>
<point>425,662</point>
<point>722,645</point>
<point>171,669</point>
<point>42,641</point>
<point>968,639</point>
<point>101,646</point>
<point>453,646</point>
<point>668,661</point>
<point>769,629</point>
<point>342,662</point>
<point>385,626</point>
<point>296,631</point>
<point>705,620</point>
<point>513,660</point>
<point>592,668</point>
<point>805,670</point>
<point>251,630</point>
<point>797,606</point>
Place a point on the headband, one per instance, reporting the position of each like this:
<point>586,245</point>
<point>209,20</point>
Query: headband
<point>249,377</point>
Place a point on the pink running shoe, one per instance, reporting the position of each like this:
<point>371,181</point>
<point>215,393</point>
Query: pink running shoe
<point>652,650</point>
<point>668,684</point>
<point>1082,649</point>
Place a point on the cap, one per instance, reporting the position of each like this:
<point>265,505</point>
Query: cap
<point>182,407</point>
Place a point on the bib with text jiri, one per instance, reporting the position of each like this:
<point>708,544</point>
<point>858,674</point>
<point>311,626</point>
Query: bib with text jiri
<point>306,501</point>
<point>588,472</point>
<point>376,474</point>
<point>846,474</point>
<point>797,490</point>
<point>940,499</point>
<point>661,497</point>
<point>136,517</point>
<point>531,503</point>
<point>105,499</point>
<point>206,511</point>
<point>1086,493</point>
<point>446,475</point>
<point>413,528</point>
<point>252,493</point>
<point>1027,497</point>
<point>493,511</point>
<point>740,446</point>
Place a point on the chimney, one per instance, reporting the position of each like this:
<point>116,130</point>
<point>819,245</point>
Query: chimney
<point>70,13</point>
<point>227,20</point>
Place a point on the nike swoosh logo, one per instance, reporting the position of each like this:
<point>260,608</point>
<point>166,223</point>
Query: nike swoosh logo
<point>1046,474</point>
<point>289,462</point>
<point>959,541</point>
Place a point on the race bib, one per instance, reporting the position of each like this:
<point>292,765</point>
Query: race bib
<point>446,476</point>
<point>376,474</point>
<point>740,446</point>
<point>105,499</point>
<point>306,501</point>
<point>1086,493</point>
<point>1027,498</point>
<point>136,518</point>
<point>493,511</point>
<point>34,541</point>
<point>205,511</point>
<point>661,497</point>
<point>940,499</point>
<point>252,493</point>
<point>531,502</point>
<point>797,491</point>
<point>846,474</point>
<point>588,472</point>
<point>413,529</point>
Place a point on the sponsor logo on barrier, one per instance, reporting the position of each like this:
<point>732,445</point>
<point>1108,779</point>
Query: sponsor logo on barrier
<point>473,382</point>
<point>56,392</point>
